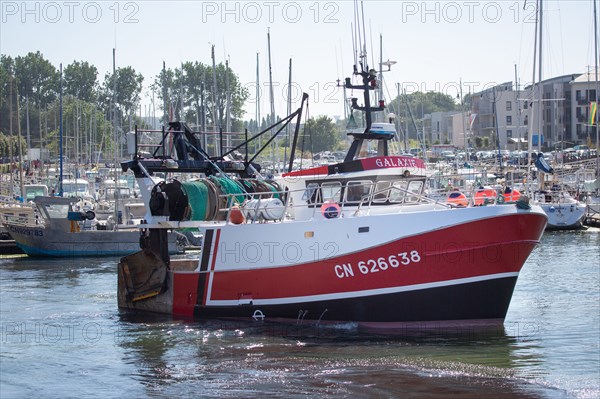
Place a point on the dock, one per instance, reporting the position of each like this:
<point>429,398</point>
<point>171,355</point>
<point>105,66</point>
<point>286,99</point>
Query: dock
<point>592,216</point>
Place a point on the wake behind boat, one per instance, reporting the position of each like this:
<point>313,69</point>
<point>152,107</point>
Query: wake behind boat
<point>357,241</point>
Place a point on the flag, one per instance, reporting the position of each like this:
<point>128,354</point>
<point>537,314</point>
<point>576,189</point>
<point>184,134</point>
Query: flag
<point>472,120</point>
<point>593,109</point>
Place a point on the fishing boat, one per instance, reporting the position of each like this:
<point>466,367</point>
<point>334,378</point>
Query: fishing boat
<point>355,241</point>
<point>59,230</point>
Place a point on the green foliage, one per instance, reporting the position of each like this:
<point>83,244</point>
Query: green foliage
<point>80,80</point>
<point>190,91</point>
<point>421,104</point>
<point>125,92</point>
<point>37,79</point>
<point>6,142</point>
<point>323,133</point>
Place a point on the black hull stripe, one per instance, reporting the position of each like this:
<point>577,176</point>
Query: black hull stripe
<point>206,246</point>
<point>477,300</point>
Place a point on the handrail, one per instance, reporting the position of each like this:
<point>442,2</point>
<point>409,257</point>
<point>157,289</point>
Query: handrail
<point>366,200</point>
<point>370,198</point>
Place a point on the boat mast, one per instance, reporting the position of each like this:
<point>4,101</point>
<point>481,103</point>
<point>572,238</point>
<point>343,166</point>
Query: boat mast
<point>214,95</point>
<point>10,131</point>
<point>60,129</point>
<point>462,111</point>
<point>272,100</point>
<point>20,150</point>
<point>289,108</point>
<point>164,84</point>
<point>258,122</point>
<point>228,105</point>
<point>533,90</point>
<point>518,105</point>
<point>499,157</point>
<point>596,99</point>
<point>540,111</point>
<point>115,130</point>
<point>404,134</point>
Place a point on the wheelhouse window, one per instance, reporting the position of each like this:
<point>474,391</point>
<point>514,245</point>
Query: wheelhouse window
<point>356,190</point>
<point>416,187</point>
<point>398,192</point>
<point>331,191</point>
<point>382,191</point>
<point>56,211</point>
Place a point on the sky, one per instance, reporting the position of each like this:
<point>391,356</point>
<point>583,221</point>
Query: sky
<point>437,45</point>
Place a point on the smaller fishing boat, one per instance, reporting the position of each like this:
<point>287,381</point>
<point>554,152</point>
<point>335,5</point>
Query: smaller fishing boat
<point>59,230</point>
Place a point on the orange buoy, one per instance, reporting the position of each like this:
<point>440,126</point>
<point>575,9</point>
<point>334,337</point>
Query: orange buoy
<point>484,194</point>
<point>511,195</point>
<point>457,198</point>
<point>236,216</point>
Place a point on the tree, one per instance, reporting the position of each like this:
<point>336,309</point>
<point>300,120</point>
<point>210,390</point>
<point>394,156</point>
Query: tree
<point>421,104</point>
<point>322,132</point>
<point>125,93</point>
<point>37,83</point>
<point>37,79</point>
<point>80,81</point>
<point>189,87</point>
<point>7,72</point>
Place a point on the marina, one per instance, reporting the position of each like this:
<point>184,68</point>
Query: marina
<point>163,235</point>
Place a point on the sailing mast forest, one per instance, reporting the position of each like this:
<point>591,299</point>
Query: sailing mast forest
<point>184,93</point>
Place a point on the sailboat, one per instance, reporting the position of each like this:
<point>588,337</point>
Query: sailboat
<point>563,211</point>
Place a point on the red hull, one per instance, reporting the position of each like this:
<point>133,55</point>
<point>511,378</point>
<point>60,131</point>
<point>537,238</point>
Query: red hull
<point>472,254</point>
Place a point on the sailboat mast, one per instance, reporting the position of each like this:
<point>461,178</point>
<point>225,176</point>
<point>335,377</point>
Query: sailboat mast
<point>518,105</point>
<point>10,131</point>
<point>289,108</point>
<point>60,135</point>
<point>533,90</point>
<point>597,96</point>
<point>462,111</point>
<point>20,150</point>
<point>258,123</point>
<point>214,98</point>
<point>271,95</point>
<point>164,84</point>
<point>228,99</point>
<point>540,111</point>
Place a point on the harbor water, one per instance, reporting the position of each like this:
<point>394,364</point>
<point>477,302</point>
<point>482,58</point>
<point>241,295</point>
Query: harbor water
<point>62,335</point>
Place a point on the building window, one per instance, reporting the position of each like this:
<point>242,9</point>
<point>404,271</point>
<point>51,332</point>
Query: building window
<point>508,120</point>
<point>508,106</point>
<point>578,129</point>
<point>578,95</point>
<point>509,133</point>
<point>525,105</point>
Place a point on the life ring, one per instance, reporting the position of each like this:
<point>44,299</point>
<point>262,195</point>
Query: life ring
<point>484,194</point>
<point>330,210</point>
<point>457,198</point>
<point>511,195</point>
